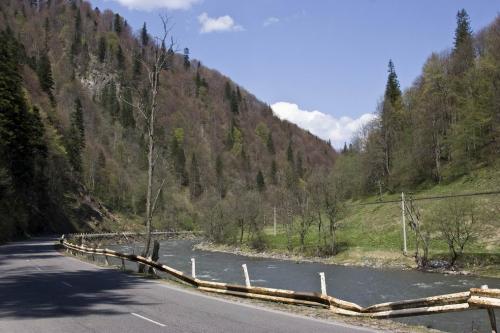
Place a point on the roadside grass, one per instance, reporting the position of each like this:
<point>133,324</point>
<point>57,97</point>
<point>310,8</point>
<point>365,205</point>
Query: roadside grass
<point>372,234</point>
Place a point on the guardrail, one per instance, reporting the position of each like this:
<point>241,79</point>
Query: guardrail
<point>482,298</point>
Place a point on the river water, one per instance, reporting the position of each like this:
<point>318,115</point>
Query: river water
<point>361,285</point>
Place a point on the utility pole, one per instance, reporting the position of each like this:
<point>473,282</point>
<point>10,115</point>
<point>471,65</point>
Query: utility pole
<point>274,219</point>
<point>403,221</point>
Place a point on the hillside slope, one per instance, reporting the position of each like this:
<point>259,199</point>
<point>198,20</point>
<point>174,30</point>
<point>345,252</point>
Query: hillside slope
<point>80,63</point>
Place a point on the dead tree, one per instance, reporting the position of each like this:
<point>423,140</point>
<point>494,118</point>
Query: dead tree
<point>422,235</point>
<point>155,58</point>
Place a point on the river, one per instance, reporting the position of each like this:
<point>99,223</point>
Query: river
<point>362,285</point>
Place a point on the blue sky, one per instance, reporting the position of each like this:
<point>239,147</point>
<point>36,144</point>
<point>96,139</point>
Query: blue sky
<point>321,64</point>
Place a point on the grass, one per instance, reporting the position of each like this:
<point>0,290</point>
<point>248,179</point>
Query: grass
<point>372,234</point>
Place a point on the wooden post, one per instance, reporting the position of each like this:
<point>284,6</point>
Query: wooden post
<point>323,283</point>
<point>193,268</point>
<point>491,315</point>
<point>123,264</point>
<point>403,221</point>
<point>274,219</point>
<point>247,278</point>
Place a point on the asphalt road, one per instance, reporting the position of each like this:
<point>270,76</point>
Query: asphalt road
<point>42,290</point>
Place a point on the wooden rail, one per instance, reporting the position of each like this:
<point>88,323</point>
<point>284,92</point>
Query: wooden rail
<point>482,298</point>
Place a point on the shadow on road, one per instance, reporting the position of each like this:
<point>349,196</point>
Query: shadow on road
<point>57,291</point>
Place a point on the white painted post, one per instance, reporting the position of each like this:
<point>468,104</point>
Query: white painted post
<point>323,283</point>
<point>247,278</point>
<point>107,260</point>
<point>274,219</point>
<point>404,221</point>
<point>193,268</point>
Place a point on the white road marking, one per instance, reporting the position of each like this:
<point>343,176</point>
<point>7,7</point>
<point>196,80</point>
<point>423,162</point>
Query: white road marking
<point>66,284</point>
<point>150,320</point>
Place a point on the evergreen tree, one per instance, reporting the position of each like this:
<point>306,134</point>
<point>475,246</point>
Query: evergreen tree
<point>144,35</point>
<point>195,188</point>
<point>117,24</point>
<point>77,40</point>
<point>76,138</point>
<point>270,144</point>
<point>179,160</point>
<point>110,101</point>
<point>127,112</point>
<point>136,66</point>
<point>463,50</point>
<point>392,89</point>
<point>344,150</point>
<point>187,62</point>
<point>120,58</point>
<point>101,49</point>
<point>44,71</point>
<point>259,179</point>
<point>234,103</point>
<point>289,153</point>
<point>227,91</point>
<point>299,168</point>
<point>273,174</point>
<point>219,174</point>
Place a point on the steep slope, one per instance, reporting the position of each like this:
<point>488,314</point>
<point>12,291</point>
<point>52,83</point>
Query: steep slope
<point>80,61</point>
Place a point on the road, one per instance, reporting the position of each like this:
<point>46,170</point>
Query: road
<point>42,290</point>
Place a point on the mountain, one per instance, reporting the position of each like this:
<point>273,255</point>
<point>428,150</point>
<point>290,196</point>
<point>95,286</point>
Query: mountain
<point>74,70</point>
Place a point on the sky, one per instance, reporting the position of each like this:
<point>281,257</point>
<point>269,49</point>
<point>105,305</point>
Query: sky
<point>321,64</point>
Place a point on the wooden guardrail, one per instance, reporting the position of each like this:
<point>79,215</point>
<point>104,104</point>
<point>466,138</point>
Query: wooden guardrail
<point>482,298</point>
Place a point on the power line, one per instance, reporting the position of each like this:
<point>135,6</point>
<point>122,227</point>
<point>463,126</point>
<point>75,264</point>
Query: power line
<point>437,197</point>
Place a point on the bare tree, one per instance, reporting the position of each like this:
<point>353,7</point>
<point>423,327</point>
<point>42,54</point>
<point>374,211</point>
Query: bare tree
<point>456,222</point>
<point>155,59</point>
<point>422,234</point>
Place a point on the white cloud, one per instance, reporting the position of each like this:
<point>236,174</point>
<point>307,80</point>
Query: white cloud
<point>270,20</point>
<point>321,124</point>
<point>217,24</point>
<point>154,4</point>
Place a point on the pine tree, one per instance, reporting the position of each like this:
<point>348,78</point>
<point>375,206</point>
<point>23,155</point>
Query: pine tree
<point>261,184</point>
<point>77,40</point>
<point>195,188</point>
<point>187,62</point>
<point>101,49</point>
<point>127,113</point>
<point>234,103</point>
<point>117,23</point>
<point>270,144</point>
<point>463,50</point>
<point>144,35</point>
<point>44,71</point>
<point>299,168</point>
<point>219,173</point>
<point>110,101</point>
<point>289,153</point>
<point>76,138</point>
<point>344,150</point>
<point>392,89</point>
<point>179,160</point>
<point>273,174</point>
<point>120,58</point>
<point>227,91</point>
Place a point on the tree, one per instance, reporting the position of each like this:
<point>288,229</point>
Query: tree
<point>117,24</point>
<point>76,138</point>
<point>44,71</point>
<point>153,60</point>
<point>178,157</point>
<point>187,62</point>
<point>77,40</point>
<point>219,173</point>
<point>270,144</point>
<point>195,188</point>
<point>144,35</point>
<point>390,117</point>
<point>120,58</point>
<point>463,50</point>
<point>273,174</point>
<point>127,113</point>
<point>456,221</point>
<point>101,49</point>
<point>259,180</point>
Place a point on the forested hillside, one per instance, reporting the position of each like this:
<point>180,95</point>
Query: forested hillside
<point>442,127</point>
<point>74,149</point>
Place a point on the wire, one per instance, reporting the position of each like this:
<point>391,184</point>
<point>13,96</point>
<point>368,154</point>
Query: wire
<point>437,197</point>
